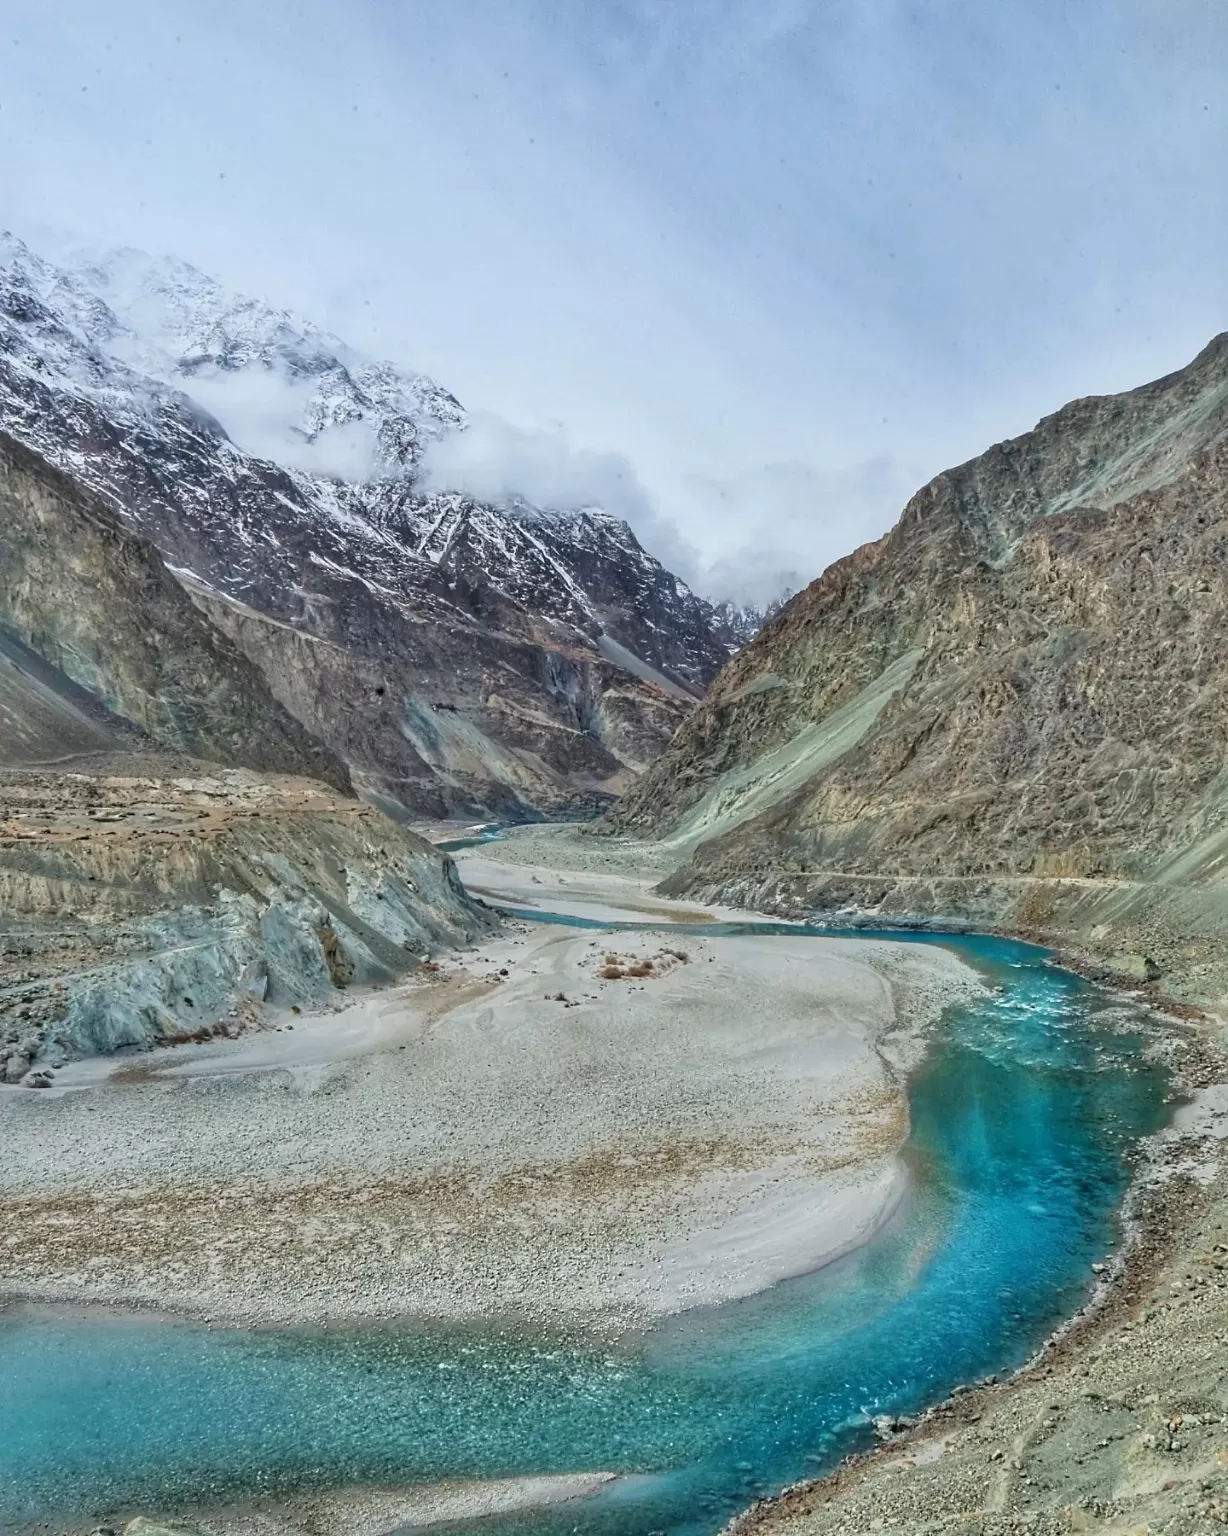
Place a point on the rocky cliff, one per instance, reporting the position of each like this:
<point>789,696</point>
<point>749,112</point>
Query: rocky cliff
<point>458,657</point>
<point>176,850</point>
<point>94,603</point>
<point>146,902</point>
<point>1012,709</point>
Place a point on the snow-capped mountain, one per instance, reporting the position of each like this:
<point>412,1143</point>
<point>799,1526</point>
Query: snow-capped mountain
<point>177,325</point>
<point>736,625</point>
<point>457,655</point>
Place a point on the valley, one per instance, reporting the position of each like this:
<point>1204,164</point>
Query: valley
<point>564,1177</point>
<point>459,657</point>
<point>1007,712</point>
<point>551,1126</point>
<point>486,1033</point>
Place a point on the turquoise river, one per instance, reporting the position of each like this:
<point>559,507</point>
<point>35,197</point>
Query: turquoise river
<point>1025,1118</point>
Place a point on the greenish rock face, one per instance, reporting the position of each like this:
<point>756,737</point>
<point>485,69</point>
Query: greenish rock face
<point>1136,967</point>
<point>155,907</point>
<point>1012,709</point>
<point>175,848</point>
<point>121,652</point>
<point>144,1527</point>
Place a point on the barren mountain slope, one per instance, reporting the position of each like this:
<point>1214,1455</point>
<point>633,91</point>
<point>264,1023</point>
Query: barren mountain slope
<point>1012,709</point>
<point>146,895</point>
<point>94,601</point>
<point>457,656</point>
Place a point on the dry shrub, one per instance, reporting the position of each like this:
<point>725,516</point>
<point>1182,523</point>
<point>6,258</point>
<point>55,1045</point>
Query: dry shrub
<point>640,968</point>
<point>612,973</point>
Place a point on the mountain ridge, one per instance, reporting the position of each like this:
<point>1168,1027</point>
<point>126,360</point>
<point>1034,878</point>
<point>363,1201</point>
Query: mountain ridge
<point>490,639</point>
<point>90,598</point>
<point>1011,710</point>
<point>176,850</point>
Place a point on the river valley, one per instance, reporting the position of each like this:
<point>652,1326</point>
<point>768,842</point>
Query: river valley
<point>1024,1113</point>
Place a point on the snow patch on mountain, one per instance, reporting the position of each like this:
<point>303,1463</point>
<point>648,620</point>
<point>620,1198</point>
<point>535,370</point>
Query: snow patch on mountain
<point>279,384</point>
<point>284,471</point>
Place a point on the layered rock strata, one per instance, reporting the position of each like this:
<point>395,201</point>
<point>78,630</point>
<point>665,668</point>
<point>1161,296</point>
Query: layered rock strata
<point>147,902</point>
<point>176,849</point>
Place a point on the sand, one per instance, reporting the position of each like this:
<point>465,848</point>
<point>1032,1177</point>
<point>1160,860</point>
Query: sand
<point>600,895</point>
<point>382,1511</point>
<point>526,1135</point>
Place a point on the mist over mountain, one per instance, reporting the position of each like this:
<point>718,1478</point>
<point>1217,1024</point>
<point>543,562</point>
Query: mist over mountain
<point>457,654</point>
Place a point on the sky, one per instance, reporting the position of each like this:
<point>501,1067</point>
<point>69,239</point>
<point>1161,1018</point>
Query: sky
<point>749,271</point>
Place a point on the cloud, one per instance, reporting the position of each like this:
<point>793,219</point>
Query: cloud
<point>495,460</point>
<point>717,235</point>
<point>803,517</point>
<point>263,412</point>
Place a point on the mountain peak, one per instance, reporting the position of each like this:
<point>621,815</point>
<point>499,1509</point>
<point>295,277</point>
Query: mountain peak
<point>456,654</point>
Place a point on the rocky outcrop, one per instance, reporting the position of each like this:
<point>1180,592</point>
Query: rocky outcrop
<point>95,605</point>
<point>1012,709</point>
<point>146,903</point>
<point>458,657</point>
<point>736,625</point>
<point>44,716</point>
<point>147,896</point>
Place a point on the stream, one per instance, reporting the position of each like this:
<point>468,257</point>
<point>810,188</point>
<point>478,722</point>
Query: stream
<point>1025,1116</point>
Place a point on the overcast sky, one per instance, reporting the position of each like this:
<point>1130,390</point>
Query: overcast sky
<point>757,267</point>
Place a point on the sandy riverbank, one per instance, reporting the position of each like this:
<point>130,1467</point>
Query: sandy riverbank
<point>526,1134</point>
<point>1120,1425</point>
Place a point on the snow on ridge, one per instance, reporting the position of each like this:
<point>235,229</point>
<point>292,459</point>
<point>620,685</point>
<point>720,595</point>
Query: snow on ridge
<point>181,325</point>
<point>127,357</point>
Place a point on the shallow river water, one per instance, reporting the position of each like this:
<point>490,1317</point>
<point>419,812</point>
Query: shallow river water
<point>1024,1116</point>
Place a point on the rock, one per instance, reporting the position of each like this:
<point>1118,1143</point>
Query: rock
<point>106,651</point>
<point>1010,711</point>
<point>458,656</point>
<point>142,1526</point>
<point>172,931</point>
<point>169,896</point>
<point>340,966</point>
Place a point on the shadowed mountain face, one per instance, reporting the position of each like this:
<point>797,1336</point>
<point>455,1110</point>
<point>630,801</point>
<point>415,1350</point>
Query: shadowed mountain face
<point>1013,708</point>
<point>101,648</point>
<point>44,717</point>
<point>457,657</point>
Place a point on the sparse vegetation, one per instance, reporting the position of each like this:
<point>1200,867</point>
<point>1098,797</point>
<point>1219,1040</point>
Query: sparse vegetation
<point>616,967</point>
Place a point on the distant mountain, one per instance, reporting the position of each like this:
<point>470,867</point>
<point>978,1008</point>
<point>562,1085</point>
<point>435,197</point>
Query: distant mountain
<point>1012,710</point>
<point>167,321</point>
<point>458,657</point>
<point>736,625</point>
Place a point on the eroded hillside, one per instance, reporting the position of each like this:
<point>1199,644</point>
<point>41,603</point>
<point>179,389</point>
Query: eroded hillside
<point>176,850</point>
<point>459,657</point>
<point>1012,709</point>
